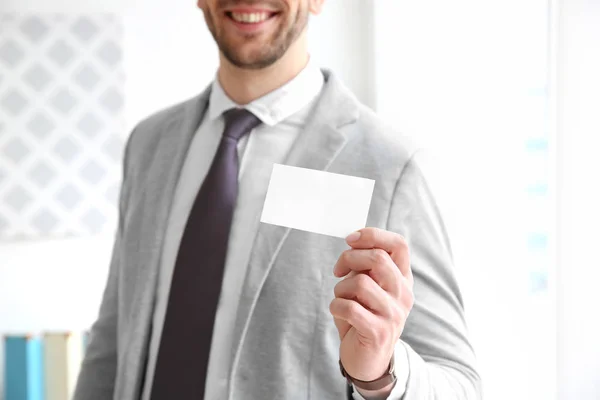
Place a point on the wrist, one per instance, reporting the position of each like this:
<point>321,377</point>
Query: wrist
<point>379,386</point>
<point>380,394</point>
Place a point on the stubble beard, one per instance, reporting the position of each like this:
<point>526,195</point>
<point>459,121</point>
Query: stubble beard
<point>281,40</point>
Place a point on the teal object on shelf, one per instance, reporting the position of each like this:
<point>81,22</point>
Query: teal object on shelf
<point>23,368</point>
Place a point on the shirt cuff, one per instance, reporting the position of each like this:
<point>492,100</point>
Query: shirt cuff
<point>401,369</point>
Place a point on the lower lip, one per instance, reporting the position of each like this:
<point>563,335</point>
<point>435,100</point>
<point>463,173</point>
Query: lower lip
<point>254,27</point>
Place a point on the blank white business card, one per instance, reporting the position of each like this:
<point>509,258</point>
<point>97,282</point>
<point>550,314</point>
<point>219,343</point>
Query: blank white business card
<point>317,201</point>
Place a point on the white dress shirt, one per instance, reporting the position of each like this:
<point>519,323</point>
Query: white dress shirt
<point>284,113</point>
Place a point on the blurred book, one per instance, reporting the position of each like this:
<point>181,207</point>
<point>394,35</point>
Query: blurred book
<point>63,354</point>
<point>23,369</point>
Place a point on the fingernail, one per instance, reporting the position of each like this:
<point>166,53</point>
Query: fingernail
<point>353,237</point>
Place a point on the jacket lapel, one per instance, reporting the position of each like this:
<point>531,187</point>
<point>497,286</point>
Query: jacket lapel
<point>324,137</point>
<point>173,145</point>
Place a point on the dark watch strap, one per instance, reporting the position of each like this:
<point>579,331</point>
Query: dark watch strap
<point>386,379</point>
<point>349,392</point>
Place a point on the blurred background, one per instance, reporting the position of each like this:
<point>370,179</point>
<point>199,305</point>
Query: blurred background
<point>504,95</point>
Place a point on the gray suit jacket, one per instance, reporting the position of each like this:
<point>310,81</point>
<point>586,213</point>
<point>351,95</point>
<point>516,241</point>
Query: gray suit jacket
<point>286,342</point>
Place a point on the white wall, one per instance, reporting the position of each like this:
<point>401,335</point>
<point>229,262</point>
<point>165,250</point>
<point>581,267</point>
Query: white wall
<point>62,6</point>
<point>169,56</point>
<point>453,74</point>
<point>579,198</point>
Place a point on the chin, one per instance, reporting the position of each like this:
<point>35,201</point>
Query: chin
<point>250,57</point>
<point>252,64</point>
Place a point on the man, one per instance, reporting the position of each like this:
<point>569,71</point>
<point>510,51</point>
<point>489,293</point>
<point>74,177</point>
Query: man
<point>204,301</point>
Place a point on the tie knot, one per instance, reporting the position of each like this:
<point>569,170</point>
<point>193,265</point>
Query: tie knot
<point>238,122</point>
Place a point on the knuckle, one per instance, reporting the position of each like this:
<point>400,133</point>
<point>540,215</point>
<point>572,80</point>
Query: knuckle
<point>370,234</point>
<point>363,286</point>
<point>375,234</point>
<point>341,307</point>
<point>391,312</point>
<point>398,278</point>
<point>337,289</point>
<point>379,256</point>
<point>383,236</point>
<point>352,307</point>
<point>332,306</point>
<point>344,257</point>
<point>401,242</point>
<point>362,281</point>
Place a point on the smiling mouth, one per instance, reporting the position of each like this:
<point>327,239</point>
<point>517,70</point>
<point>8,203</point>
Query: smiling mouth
<point>251,17</point>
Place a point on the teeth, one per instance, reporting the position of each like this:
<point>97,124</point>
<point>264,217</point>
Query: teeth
<point>250,18</point>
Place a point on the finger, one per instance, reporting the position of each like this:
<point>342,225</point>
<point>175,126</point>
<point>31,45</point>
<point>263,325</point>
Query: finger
<point>364,321</point>
<point>394,244</point>
<point>407,297</point>
<point>367,292</point>
<point>375,262</point>
<point>342,326</point>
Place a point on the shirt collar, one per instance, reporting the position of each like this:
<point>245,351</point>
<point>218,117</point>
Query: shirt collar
<point>276,106</point>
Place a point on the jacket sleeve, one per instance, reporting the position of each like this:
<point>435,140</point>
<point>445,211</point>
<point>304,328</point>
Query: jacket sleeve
<point>440,359</point>
<point>96,380</point>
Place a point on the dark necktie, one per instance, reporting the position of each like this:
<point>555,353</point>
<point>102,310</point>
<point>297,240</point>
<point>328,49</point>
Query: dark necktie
<point>185,343</point>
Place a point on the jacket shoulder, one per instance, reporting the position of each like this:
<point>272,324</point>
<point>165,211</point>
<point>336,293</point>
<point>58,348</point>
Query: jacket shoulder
<point>384,140</point>
<point>149,130</point>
